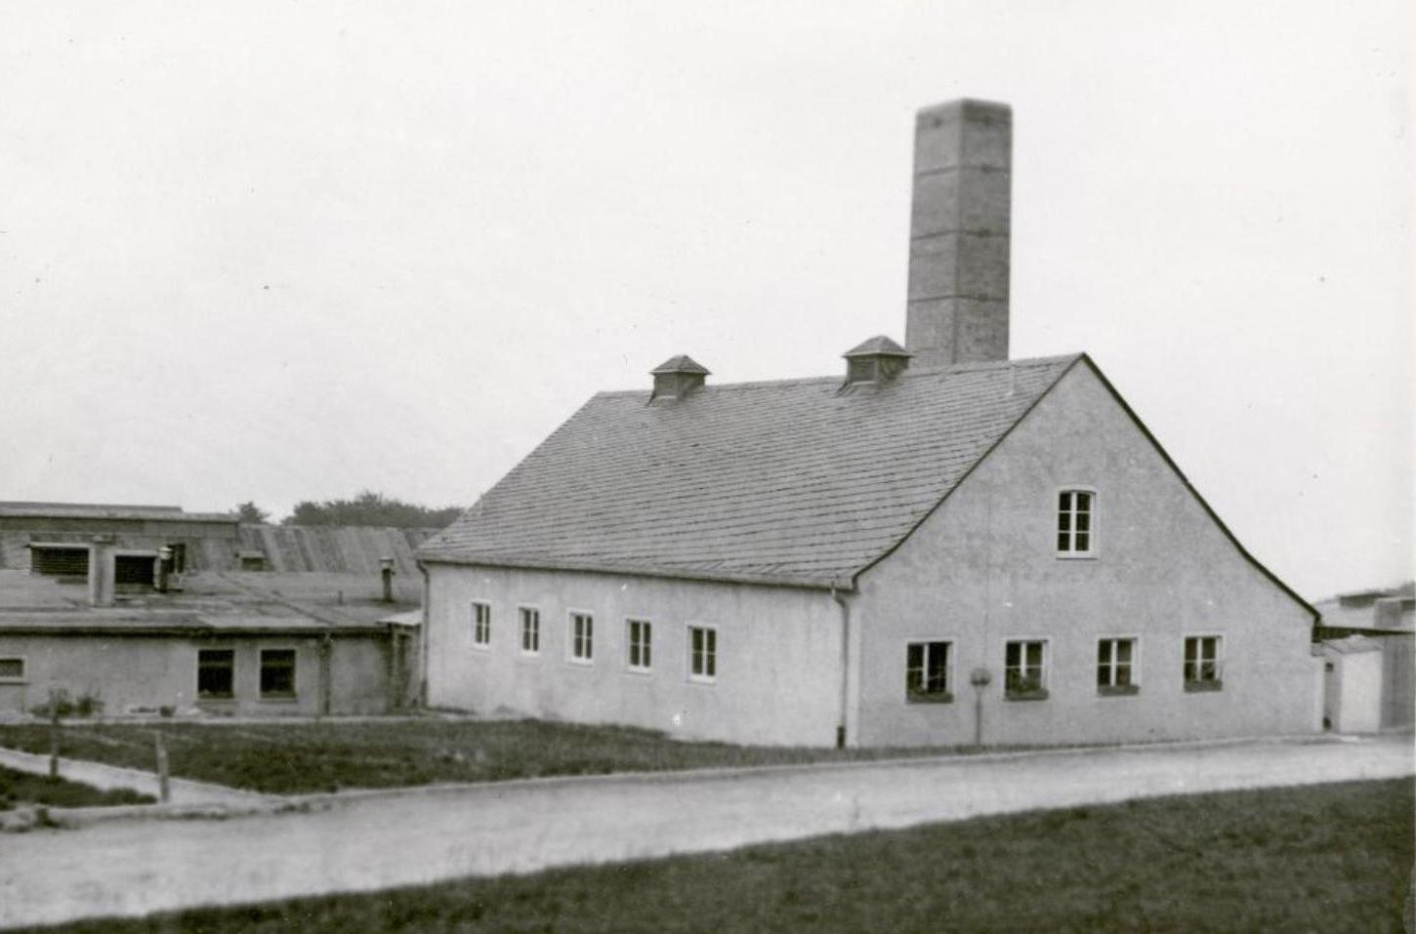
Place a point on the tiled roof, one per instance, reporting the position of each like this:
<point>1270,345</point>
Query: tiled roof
<point>793,482</point>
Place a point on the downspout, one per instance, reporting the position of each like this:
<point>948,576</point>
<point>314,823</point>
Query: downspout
<point>423,639</point>
<point>845,666</point>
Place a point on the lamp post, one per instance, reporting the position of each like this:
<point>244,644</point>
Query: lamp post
<point>979,678</point>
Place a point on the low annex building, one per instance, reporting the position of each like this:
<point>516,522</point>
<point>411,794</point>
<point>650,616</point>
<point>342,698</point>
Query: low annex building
<point>938,545</point>
<point>227,644</point>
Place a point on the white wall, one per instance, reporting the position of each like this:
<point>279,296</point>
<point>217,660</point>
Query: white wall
<point>984,569</point>
<point>779,671</point>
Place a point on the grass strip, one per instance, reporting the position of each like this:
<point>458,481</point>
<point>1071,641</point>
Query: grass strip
<point>1324,857</point>
<point>329,756</point>
<point>21,788</point>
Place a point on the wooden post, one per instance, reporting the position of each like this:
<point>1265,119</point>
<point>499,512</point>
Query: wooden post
<point>163,791</point>
<point>53,733</point>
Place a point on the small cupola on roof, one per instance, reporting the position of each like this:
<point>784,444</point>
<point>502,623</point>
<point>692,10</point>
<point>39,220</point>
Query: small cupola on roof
<point>878,360</point>
<point>677,377</point>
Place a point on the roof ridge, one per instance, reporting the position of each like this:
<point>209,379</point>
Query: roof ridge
<point>911,372</point>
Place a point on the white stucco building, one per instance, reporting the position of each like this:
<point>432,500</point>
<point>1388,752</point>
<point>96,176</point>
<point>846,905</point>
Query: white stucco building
<point>938,545</point>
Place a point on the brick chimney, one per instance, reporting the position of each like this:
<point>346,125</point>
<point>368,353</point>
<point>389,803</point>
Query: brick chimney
<point>959,234</point>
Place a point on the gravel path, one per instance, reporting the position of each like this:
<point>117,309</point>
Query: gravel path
<point>380,840</point>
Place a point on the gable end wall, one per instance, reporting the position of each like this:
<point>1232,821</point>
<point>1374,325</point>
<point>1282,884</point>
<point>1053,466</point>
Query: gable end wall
<point>983,569</point>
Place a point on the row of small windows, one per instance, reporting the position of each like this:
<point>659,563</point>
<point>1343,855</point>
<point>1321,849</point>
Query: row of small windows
<point>928,671</point>
<point>639,640</point>
<point>216,674</point>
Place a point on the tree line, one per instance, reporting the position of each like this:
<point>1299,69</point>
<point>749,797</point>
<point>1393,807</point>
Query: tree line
<point>367,508</point>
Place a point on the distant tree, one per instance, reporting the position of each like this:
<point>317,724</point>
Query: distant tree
<point>250,513</point>
<point>371,509</point>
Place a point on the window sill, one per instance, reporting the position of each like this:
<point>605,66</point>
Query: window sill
<point>943,697</point>
<point>1119,690</point>
<point>701,680</point>
<point>1078,556</point>
<point>5,681</point>
<point>481,646</point>
<point>641,672</point>
<point>279,699</point>
<point>215,698</point>
<point>581,662</point>
<point>1039,694</point>
<point>1203,687</point>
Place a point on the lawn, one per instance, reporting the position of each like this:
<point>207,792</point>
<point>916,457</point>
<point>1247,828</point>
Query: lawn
<point>17,788</point>
<point>1327,857</point>
<point>316,757</point>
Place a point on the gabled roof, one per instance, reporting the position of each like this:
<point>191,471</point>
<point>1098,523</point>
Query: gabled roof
<point>788,482</point>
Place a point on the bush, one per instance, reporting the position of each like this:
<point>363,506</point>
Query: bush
<point>85,705</point>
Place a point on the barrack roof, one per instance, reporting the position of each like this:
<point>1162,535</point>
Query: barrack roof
<point>790,482</point>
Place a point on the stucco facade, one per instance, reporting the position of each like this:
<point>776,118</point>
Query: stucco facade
<point>983,569</point>
<point>777,673</point>
<point>794,664</point>
<point>145,674</point>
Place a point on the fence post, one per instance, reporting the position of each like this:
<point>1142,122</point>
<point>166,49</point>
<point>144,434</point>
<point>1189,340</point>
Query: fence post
<point>163,791</point>
<point>53,733</point>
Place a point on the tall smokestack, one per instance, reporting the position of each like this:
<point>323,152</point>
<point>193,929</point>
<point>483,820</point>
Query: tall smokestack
<point>959,233</point>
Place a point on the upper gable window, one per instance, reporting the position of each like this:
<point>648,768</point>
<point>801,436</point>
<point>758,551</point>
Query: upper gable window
<point>1076,523</point>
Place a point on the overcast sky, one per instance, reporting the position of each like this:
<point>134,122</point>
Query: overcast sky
<point>291,250</point>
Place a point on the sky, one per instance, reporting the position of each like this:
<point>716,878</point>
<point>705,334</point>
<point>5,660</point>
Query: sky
<point>279,251</point>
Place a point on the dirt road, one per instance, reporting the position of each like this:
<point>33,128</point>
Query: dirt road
<point>383,840</point>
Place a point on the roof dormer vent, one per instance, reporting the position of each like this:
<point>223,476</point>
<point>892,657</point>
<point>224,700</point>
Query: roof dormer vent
<point>878,360</point>
<point>677,377</point>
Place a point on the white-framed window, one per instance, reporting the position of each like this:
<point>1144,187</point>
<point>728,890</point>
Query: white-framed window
<point>12,669</point>
<point>1117,666</point>
<point>639,637</point>
<point>1076,523</point>
<point>928,678</point>
<point>582,637</point>
<point>1203,663</point>
<point>1025,669</point>
<point>530,630</point>
<point>481,624</point>
<point>702,653</point>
